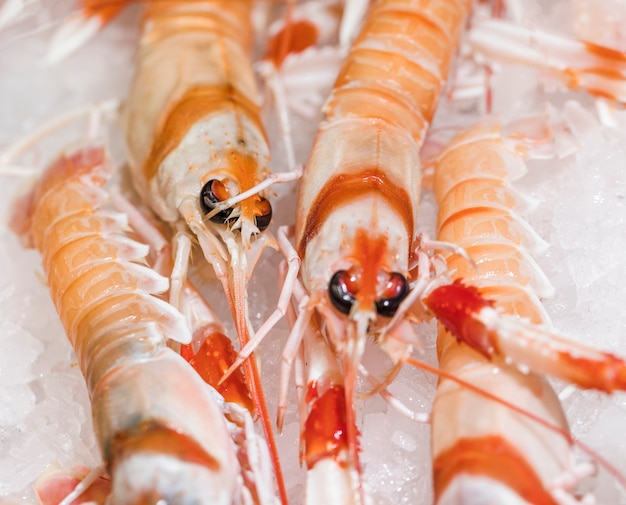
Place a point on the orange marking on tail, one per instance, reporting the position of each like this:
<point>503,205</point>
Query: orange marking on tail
<point>345,188</point>
<point>325,431</point>
<point>492,457</point>
<point>214,357</point>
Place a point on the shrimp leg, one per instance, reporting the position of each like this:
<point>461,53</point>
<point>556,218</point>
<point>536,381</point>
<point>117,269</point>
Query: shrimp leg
<point>580,64</point>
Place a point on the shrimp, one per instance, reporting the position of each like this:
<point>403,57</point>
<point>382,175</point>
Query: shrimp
<point>182,168</point>
<point>476,321</point>
<point>152,433</point>
<point>195,140</point>
<point>357,207</point>
<point>359,194</point>
<point>197,149</point>
<point>499,456</point>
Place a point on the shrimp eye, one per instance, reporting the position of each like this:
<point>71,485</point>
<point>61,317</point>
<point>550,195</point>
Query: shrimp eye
<point>395,291</point>
<point>212,193</point>
<point>263,218</point>
<point>339,291</point>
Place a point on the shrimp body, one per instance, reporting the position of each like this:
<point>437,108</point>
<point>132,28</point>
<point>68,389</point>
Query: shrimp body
<point>499,456</point>
<point>360,190</point>
<point>358,201</point>
<point>152,432</point>
<point>477,212</point>
<point>195,139</point>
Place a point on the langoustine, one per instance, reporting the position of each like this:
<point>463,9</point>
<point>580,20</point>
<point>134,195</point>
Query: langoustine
<point>503,455</point>
<point>152,433</point>
<point>198,153</point>
<point>357,206</point>
<point>195,142</point>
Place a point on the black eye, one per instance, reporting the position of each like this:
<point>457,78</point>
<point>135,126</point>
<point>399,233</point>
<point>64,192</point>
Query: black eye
<point>395,291</point>
<point>339,291</point>
<point>262,220</point>
<point>212,193</point>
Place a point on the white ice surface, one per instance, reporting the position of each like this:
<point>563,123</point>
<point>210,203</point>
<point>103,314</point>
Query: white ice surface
<point>44,410</point>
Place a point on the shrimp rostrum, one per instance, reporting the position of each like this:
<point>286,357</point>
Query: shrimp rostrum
<point>160,428</point>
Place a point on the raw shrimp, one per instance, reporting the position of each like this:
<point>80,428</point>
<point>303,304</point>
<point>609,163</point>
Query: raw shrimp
<point>499,456</point>
<point>475,321</point>
<point>160,429</point>
<point>195,138</point>
<point>358,200</point>
<point>355,226</point>
<point>197,149</point>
